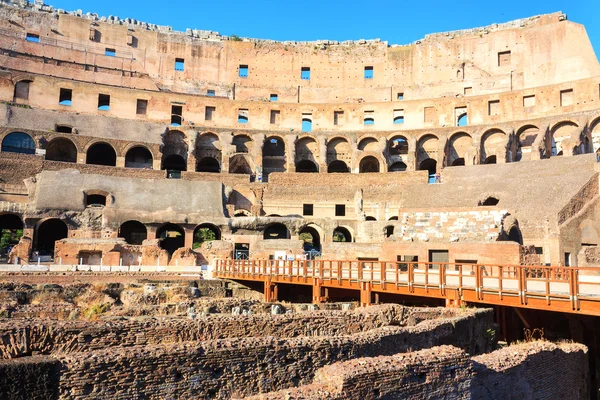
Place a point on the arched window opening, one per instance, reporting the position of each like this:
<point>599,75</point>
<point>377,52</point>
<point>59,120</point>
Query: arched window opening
<point>47,233</point>
<point>306,125</point>
<point>134,232</point>
<point>11,231</point>
<point>462,120</point>
<point>398,145</point>
<point>274,147</point>
<point>389,231</point>
<point>242,143</point>
<point>397,167</point>
<point>370,218</point>
<point>101,154</point>
<point>369,121</point>
<point>368,144</point>
<point>138,157</point>
<point>490,201</point>
<point>429,165</point>
<point>242,119</point>
<point>458,162</point>
<point>174,162</point>
<point>171,237</point>
<point>238,164</point>
<point>208,164</point>
<point>490,160</point>
<point>337,166</point>
<point>311,238</point>
<point>95,200</point>
<point>273,157</point>
<point>242,213</point>
<point>205,233</point>
<point>341,234</point>
<point>61,149</point>
<point>306,166</point>
<point>394,218</point>
<point>368,164</point>
<point>18,142</point>
<point>514,235</point>
<point>276,231</point>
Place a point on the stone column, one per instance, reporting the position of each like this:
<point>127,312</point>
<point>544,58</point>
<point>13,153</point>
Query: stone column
<point>290,151</point>
<point>120,162</point>
<point>189,237</point>
<point>322,141</point>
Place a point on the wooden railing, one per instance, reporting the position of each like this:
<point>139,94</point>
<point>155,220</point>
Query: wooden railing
<point>569,289</point>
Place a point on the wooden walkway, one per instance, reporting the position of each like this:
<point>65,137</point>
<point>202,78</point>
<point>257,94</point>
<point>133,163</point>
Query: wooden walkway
<point>564,289</point>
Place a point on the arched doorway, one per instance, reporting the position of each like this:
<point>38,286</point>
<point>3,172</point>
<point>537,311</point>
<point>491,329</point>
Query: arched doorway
<point>101,154</point>
<point>174,162</point>
<point>341,234</point>
<point>208,164</point>
<point>134,232</point>
<point>18,142</point>
<point>171,237</point>
<point>11,231</point>
<point>514,235</point>
<point>238,164</point>
<point>490,160</point>
<point>389,230</point>
<point>242,143</point>
<point>306,166</point>
<point>205,233</point>
<point>397,167</point>
<point>429,165</point>
<point>398,145</point>
<point>460,146</point>
<point>276,231</point>
<point>493,143</point>
<point>368,164</point>
<point>47,233</point>
<point>311,238</point>
<point>138,157</point>
<point>273,158</point>
<point>338,166</point>
<point>61,149</point>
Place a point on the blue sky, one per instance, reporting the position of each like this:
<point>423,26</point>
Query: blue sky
<point>398,22</point>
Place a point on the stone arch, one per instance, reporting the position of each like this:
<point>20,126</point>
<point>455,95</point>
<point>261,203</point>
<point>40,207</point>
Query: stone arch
<point>174,151</point>
<point>47,232</point>
<point>273,156</point>
<point>427,148</point>
<point>205,232</point>
<point>134,232</point>
<point>388,230</point>
<point>208,146</point>
<point>240,164</point>
<point>11,229</point>
<point>429,165</point>
<point>276,231</point>
<point>398,166</point>
<point>243,143</point>
<point>526,136</point>
<point>61,149</point>
<point>460,148</point>
<point>338,166</point>
<point>339,149</point>
<point>368,144</point>
<point>18,142</point>
<point>561,135</point>
<point>316,234</point>
<point>369,164</point>
<point>138,157</point>
<point>307,148</point>
<point>493,143</point>
<point>595,134</point>
<point>171,237</point>
<point>342,234</point>
<point>397,145</point>
<point>101,153</point>
<point>208,164</point>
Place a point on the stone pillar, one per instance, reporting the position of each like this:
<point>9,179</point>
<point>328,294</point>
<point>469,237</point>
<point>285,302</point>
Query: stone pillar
<point>290,151</point>
<point>355,155</point>
<point>257,153</point>
<point>120,162</point>
<point>441,156</point>
<point>189,237</point>
<point>226,152</point>
<point>382,150</point>
<point>322,141</point>
<point>151,232</point>
<point>156,164</point>
<point>81,158</point>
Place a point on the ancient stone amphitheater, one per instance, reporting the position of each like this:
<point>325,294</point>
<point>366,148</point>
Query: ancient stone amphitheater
<point>135,160</point>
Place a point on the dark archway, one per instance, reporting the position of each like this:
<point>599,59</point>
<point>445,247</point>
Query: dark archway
<point>394,218</point>
<point>208,164</point>
<point>18,142</point>
<point>138,157</point>
<point>429,165</point>
<point>134,232</point>
<point>171,237</point>
<point>389,230</point>
<point>205,233</point>
<point>458,162</point>
<point>370,218</point>
<point>306,166</point>
<point>338,166</point>
<point>61,149</point>
<point>47,233</point>
<point>489,201</point>
<point>397,145</point>
<point>514,235</point>
<point>11,230</point>
<point>490,160</point>
<point>101,154</point>
<point>368,164</point>
<point>174,162</point>
<point>341,234</point>
<point>276,231</point>
<point>397,167</point>
<point>273,159</point>
<point>311,238</point>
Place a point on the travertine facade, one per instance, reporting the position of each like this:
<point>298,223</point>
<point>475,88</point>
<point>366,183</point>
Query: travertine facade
<point>139,143</point>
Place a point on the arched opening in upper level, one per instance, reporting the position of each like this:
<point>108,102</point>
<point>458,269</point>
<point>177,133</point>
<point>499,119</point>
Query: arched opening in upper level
<point>398,145</point>
<point>341,234</point>
<point>239,164</point>
<point>205,233</point>
<point>338,166</point>
<point>368,144</point>
<point>460,146</point>
<point>307,148</point>
<point>397,167</point>
<point>311,238</point>
<point>368,164</point>
<point>560,132</point>
<point>18,142</point>
<point>47,233</point>
<point>101,154</point>
<point>174,162</point>
<point>171,237</point>
<point>134,232</point>
<point>273,158</point>
<point>11,231</point>
<point>138,157</point>
<point>462,120</point>
<point>306,166</point>
<point>338,149</point>
<point>276,231</point>
<point>208,164</point>
<point>61,149</point>
<point>242,143</point>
